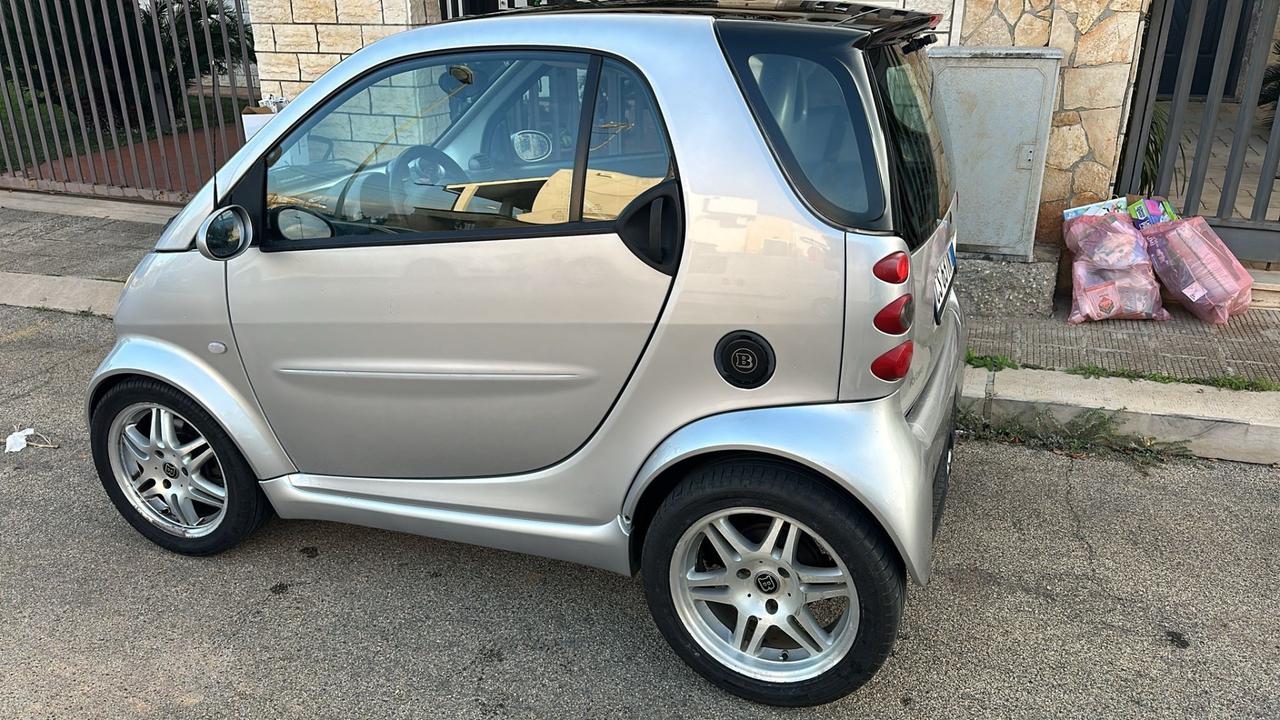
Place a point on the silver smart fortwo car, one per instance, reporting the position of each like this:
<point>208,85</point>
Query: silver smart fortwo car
<point>658,289</point>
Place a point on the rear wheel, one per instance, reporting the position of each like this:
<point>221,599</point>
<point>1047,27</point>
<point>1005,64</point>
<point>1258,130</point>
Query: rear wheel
<point>772,585</point>
<point>171,470</point>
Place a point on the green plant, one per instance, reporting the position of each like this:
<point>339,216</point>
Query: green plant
<point>990,362</point>
<point>1270,86</point>
<point>1157,136</point>
<point>1092,431</point>
<point>1228,382</point>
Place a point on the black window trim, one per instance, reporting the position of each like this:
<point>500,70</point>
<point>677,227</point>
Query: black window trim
<point>251,190</point>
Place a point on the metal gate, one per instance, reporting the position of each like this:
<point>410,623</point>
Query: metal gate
<point>122,98</point>
<point>1209,141</point>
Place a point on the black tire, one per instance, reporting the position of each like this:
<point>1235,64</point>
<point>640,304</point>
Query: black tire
<point>859,541</point>
<point>247,508</point>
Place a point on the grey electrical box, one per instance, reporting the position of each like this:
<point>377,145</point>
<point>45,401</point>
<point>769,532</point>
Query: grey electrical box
<point>995,105</point>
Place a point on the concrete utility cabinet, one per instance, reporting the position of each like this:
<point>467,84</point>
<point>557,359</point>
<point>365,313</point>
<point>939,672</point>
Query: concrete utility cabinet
<point>995,105</point>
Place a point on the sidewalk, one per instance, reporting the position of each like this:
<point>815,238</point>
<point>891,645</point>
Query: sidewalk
<point>1183,347</point>
<point>72,254</point>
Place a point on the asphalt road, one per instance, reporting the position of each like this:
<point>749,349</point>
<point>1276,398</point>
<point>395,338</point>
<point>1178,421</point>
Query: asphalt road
<point>1062,587</point>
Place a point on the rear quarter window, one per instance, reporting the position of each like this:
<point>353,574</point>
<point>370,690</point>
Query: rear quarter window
<point>917,160</point>
<point>799,84</point>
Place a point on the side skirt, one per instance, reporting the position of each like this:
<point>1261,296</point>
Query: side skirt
<point>603,546</point>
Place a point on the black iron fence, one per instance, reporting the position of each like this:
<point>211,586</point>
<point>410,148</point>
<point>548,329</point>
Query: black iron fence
<point>122,98</point>
<point>1202,131</point>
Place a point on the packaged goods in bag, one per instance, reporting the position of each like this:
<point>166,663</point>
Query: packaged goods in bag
<point>1111,276</point>
<point>1198,269</point>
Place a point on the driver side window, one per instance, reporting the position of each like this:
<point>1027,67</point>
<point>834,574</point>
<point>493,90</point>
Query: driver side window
<point>446,144</point>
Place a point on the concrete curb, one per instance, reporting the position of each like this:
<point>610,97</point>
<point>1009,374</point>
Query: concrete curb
<point>1212,422</point>
<point>52,292</point>
<point>87,207</point>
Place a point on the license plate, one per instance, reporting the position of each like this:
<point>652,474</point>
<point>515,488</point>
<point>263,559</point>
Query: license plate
<point>943,277</point>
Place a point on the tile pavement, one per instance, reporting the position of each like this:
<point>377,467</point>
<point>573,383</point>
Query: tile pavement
<point>1184,347</point>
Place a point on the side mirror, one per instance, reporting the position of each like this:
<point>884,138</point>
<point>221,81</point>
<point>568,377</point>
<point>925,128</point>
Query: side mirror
<point>225,234</point>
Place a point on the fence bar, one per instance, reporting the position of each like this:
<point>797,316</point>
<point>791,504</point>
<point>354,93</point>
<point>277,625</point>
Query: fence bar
<point>204,116</point>
<point>1252,86</point>
<point>22,110</point>
<point>102,78</point>
<point>48,106</point>
<point>26,71</point>
<point>168,97</point>
<point>213,75</point>
<point>151,94</point>
<point>1213,102</point>
<point>124,114</point>
<point>75,94</point>
<point>1181,93</point>
<point>133,90</point>
<point>4,152</point>
<point>231,77</point>
<point>1262,198</point>
<point>62,96</point>
<point>182,87</point>
<point>8,113</point>
<point>1144,97</point>
<point>244,56</point>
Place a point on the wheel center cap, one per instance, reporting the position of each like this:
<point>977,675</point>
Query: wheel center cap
<point>767,583</point>
<point>171,470</point>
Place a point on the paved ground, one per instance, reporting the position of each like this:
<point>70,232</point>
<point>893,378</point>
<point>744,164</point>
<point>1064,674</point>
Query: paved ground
<point>49,244</point>
<point>1183,347</point>
<point>1064,587</point>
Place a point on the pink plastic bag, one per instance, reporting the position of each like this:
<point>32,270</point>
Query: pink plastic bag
<point>1111,276</point>
<point>1198,269</point>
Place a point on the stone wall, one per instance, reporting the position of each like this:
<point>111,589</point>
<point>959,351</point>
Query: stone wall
<point>1099,40</point>
<point>297,40</point>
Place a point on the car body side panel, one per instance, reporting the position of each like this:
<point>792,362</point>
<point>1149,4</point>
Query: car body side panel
<point>442,359</point>
<point>754,258</point>
<point>884,457</point>
<point>173,308</point>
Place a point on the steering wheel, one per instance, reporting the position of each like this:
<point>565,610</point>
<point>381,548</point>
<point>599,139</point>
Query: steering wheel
<point>420,165</point>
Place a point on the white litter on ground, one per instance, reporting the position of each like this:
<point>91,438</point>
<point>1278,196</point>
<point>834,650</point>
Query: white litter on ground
<point>18,440</point>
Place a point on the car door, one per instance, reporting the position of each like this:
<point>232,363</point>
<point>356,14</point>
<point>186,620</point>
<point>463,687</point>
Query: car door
<point>462,259</point>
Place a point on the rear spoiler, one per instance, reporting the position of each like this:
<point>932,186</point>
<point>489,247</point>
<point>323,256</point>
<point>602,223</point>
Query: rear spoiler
<point>890,26</point>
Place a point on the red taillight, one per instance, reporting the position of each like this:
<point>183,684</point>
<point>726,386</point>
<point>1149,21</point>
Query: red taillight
<point>894,364</point>
<point>893,268</point>
<point>895,318</point>
<point>934,20</point>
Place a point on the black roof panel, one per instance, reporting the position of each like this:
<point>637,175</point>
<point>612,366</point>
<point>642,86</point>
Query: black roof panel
<point>873,19</point>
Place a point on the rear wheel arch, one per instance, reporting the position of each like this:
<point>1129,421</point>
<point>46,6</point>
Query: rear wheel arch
<point>664,482</point>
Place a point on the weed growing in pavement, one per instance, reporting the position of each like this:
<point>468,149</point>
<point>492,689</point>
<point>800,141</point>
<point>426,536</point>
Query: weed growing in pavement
<point>990,362</point>
<point>1093,431</point>
<point>1229,382</point>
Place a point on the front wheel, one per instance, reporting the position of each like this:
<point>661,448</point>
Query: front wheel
<point>773,586</point>
<point>172,471</point>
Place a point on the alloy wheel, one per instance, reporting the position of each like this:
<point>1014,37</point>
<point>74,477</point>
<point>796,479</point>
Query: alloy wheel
<point>168,470</point>
<point>764,594</point>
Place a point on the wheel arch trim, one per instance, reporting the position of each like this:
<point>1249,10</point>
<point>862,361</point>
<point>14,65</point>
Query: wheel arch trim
<point>137,356</point>
<point>857,447</point>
